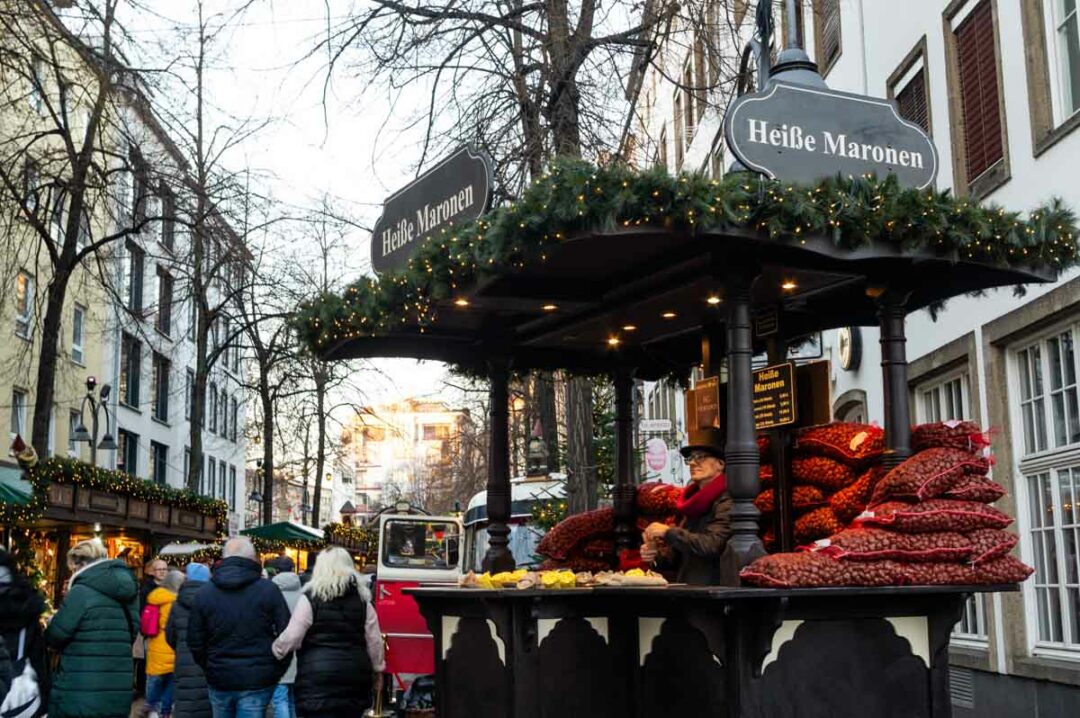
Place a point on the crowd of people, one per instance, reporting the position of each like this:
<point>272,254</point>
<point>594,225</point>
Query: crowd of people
<point>225,642</point>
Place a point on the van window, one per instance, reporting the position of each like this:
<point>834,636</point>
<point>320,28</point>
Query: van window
<point>420,544</point>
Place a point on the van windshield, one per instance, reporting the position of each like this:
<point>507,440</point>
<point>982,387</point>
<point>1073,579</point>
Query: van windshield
<point>420,544</point>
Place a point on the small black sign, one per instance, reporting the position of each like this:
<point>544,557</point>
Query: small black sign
<point>803,134</point>
<point>766,322</point>
<point>455,191</point>
<point>774,397</point>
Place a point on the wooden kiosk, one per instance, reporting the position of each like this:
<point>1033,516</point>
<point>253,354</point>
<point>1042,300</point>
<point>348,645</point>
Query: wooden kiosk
<point>641,275</point>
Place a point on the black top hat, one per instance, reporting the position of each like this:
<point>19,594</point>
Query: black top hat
<point>709,439</point>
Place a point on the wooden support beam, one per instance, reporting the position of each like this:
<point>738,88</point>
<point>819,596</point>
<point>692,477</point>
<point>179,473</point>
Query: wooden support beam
<point>498,557</point>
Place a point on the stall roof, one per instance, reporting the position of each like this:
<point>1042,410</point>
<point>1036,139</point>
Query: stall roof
<point>285,531</point>
<point>14,488</point>
<point>524,495</point>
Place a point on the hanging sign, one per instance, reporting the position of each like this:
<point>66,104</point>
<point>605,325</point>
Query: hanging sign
<point>706,404</point>
<point>774,397</point>
<point>652,426</point>
<point>803,134</point>
<point>455,191</point>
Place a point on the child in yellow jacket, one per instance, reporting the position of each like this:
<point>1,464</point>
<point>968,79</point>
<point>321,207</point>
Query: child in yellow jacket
<point>160,657</point>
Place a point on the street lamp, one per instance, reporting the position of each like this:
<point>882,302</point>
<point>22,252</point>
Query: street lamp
<point>99,403</point>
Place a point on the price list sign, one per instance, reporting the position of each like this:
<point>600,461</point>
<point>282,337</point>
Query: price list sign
<point>774,397</point>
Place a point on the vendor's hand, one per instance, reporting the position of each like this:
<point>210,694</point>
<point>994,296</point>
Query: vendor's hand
<point>648,553</point>
<point>655,531</point>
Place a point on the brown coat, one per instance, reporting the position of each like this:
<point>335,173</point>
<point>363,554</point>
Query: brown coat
<point>698,548</point>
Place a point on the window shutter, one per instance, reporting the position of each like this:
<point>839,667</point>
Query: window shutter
<point>830,31</point>
<point>911,101</point>
<point>977,58</point>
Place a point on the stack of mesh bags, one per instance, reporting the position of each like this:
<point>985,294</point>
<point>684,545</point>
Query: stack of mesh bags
<point>929,522</point>
<point>586,541</point>
<point>833,473</point>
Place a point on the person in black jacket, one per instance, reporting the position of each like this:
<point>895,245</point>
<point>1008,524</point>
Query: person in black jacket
<point>233,622</point>
<point>191,697</point>
<point>341,651</point>
<point>21,606</point>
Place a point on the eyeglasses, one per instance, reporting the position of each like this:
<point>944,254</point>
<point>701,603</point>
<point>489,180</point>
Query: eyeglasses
<point>696,457</point>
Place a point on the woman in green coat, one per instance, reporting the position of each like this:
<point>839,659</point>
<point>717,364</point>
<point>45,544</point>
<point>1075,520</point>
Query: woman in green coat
<point>94,631</point>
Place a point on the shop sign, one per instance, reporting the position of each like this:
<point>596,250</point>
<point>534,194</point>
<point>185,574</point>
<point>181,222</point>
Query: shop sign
<point>766,322</point>
<point>455,191</point>
<point>803,134</point>
<point>706,398</point>
<point>656,454</point>
<point>774,397</point>
<point>654,426</point>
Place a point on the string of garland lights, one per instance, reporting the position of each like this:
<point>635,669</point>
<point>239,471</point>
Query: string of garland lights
<point>357,537</point>
<point>574,196</point>
<point>71,471</point>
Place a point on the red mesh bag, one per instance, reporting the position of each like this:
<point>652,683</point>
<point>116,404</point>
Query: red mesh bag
<point>869,544</point>
<point>989,544</point>
<point>1001,570</point>
<point>764,444</point>
<point>600,548</point>
<point>928,474</point>
<point>656,498</point>
<point>806,570</point>
<point>819,523</point>
<point>851,501</point>
<point>802,497</point>
<point>821,471</point>
<point>844,441</point>
<point>573,530</point>
<point>964,435</point>
<point>934,515</point>
<point>975,488</point>
<point>765,475</point>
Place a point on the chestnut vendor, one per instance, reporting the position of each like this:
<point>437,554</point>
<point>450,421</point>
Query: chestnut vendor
<point>696,548</point>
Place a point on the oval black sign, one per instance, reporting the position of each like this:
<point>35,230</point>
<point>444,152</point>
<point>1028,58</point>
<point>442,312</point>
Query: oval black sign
<point>456,190</point>
<point>803,134</point>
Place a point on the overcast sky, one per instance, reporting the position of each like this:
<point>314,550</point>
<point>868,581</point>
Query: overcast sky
<point>355,148</point>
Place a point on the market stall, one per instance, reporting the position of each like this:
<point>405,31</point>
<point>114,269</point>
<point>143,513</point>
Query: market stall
<point>644,275</point>
<point>287,538</point>
<point>50,506</point>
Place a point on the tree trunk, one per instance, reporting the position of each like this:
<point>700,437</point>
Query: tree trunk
<point>47,359</point>
<point>267,444</point>
<point>198,406</point>
<point>545,408</point>
<point>320,450</point>
<point>580,456</point>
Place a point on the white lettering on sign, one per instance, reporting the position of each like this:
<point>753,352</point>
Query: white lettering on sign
<point>429,218</point>
<point>794,137</point>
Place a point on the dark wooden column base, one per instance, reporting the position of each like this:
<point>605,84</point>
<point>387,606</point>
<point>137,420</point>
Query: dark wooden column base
<point>498,557</point>
<point>892,310</point>
<point>625,491</point>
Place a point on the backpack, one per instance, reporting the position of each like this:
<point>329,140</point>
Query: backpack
<point>150,620</point>
<point>23,699</point>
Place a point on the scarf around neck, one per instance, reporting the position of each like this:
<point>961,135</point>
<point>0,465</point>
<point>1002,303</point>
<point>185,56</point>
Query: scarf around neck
<point>696,499</point>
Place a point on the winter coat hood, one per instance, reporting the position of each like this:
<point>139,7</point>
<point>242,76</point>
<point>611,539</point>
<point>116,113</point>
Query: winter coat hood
<point>186,597</point>
<point>287,581</point>
<point>20,605</point>
<point>111,578</point>
<point>236,573</point>
<point>160,596</point>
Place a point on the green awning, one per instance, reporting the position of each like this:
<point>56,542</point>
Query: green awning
<point>284,531</point>
<point>14,488</point>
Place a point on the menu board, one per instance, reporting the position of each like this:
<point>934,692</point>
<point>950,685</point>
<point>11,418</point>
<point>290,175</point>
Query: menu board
<point>774,397</point>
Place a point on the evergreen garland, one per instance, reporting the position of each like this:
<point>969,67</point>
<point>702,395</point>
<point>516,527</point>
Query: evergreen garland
<point>574,196</point>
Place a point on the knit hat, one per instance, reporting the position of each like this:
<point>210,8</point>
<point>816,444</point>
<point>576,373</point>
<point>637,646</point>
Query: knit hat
<point>198,572</point>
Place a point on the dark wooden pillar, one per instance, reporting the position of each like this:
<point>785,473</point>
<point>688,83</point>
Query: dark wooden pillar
<point>625,490</point>
<point>498,557</point>
<point>741,444</point>
<point>780,441</point>
<point>892,309</point>
<point>63,545</point>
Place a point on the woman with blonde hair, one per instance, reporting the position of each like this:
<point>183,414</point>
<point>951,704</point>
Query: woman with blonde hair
<point>340,645</point>
<point>93,631</point>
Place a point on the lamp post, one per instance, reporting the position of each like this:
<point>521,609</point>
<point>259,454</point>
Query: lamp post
<point>98,403</point>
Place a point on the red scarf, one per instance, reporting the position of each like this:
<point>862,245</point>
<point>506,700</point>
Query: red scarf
<point>697,499</point>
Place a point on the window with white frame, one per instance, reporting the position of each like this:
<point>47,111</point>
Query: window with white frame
<point>78,328</point>
<point>24,304</point>
<point>1063,23</point>
<point>18,413</point>
<point>1046,411</point>
<point>947,399</point>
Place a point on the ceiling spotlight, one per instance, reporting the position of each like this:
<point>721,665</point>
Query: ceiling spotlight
<point>669,315</point>
<point>613,341</point>
<point>629,328</point>
<point>713,300</point>
<point>788,285</point>
<point>461,302</point>
<point>550,307</point>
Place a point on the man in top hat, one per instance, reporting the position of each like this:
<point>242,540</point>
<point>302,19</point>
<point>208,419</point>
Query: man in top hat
<point>696,548</point>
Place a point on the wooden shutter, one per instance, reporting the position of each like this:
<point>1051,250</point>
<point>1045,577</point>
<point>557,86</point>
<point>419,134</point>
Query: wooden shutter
<point>828,19</point>
<point>977,61</point>
<point>912,103</point>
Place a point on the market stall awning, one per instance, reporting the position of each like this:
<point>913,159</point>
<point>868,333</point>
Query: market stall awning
<point>284,531</point>
<point>14,488</point>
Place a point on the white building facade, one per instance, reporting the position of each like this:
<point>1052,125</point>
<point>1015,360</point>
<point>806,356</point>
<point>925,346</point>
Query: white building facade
<point>996,84</point>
